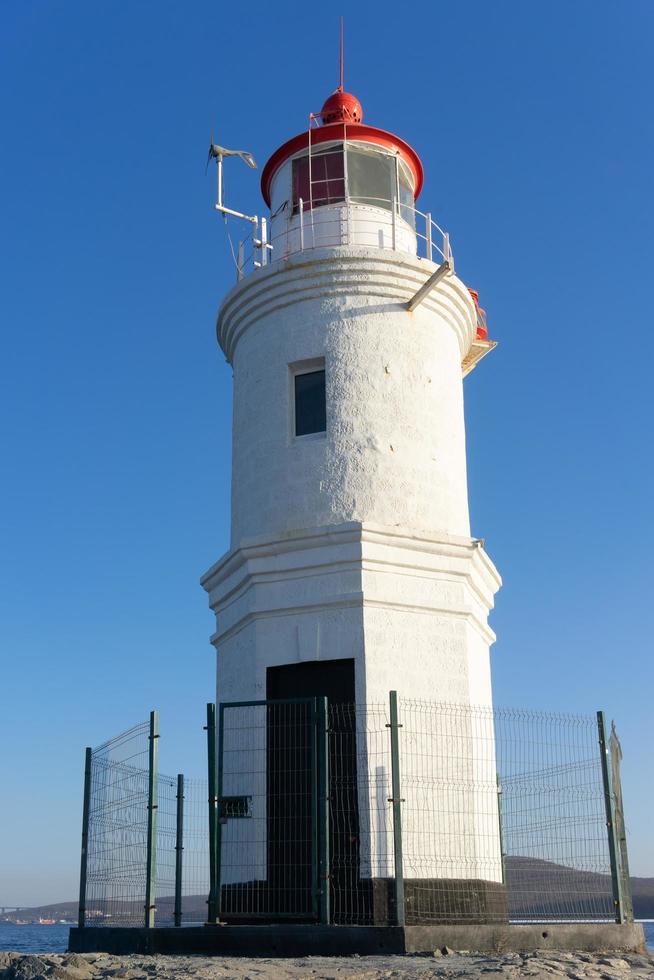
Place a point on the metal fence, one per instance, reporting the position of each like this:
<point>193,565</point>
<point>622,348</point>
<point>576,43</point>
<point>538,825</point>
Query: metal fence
<point>431,813</point>
<point>399,813</point>
<point>144,837</point>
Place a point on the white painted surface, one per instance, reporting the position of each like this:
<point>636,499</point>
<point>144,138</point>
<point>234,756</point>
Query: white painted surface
<point>394,450</point>
<point>340,224</point>
<point>356,543</point>
<point>411,611</point>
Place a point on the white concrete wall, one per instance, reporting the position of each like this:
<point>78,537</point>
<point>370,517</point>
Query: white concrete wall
<point>394,450</point>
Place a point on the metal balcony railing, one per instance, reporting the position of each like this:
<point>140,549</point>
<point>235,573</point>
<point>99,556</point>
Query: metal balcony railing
<point>373,222</point>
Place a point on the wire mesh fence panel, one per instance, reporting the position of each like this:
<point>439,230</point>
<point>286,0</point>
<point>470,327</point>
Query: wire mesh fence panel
<point>117,835</point>
<point>360,824</point>
<point>267,804</point>
<point>504,816</point>
<point>553,818</point>
<point>166,839</point>
<point>450,816</point>
<point>195,858</point>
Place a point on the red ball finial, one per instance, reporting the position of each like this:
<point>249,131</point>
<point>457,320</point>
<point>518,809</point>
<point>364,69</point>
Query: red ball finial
<point>341,107</point>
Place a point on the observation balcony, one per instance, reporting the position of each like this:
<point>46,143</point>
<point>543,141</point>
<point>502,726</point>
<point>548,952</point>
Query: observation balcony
<point>370,222</point>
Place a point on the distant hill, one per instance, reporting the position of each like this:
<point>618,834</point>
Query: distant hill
<point>543,879</point>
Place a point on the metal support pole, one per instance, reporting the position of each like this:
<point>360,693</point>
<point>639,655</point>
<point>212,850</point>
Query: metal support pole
<point>323,810</point>
<point>151,849</point>
<point>219,178</point>
<point>428,235</point>
<point>81,914</point>
<point>616,882</point>
<point>240,261</point>
<point>396,801</point>
<point>428,285</point>
<point>264,242</point>
<point>179,849</point>
<point>214,846</point>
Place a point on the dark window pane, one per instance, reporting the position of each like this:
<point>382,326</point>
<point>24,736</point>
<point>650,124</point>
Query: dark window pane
<point>310,409</point>
<point>327,180</point>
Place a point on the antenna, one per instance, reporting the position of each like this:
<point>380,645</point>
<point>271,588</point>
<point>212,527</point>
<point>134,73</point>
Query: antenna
<point>218,153</point>
<point>340,74</point>
<point>260,244</point>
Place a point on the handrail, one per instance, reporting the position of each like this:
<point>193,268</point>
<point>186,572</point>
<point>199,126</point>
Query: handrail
<point>432,243</point>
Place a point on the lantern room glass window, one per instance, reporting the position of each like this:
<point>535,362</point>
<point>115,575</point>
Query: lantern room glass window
<point>370,177</point>
<point>327,180</point>
<point>361,174</point>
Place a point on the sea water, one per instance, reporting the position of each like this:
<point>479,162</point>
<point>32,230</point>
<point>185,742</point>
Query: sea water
<point>54,939</point>
<point>34,938</point>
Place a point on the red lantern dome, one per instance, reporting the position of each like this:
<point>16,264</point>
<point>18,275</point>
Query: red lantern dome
<point>341,107</point>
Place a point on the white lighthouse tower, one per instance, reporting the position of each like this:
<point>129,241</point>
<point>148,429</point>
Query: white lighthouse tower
<point>351,570</point>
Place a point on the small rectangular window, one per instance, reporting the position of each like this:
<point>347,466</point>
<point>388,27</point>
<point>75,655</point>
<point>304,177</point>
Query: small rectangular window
<point>310,403</point>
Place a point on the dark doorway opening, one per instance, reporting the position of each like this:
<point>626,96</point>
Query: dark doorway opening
<point>289,825</point>
<point>333,679</point>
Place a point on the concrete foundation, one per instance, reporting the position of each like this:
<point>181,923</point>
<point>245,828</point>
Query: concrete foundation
<point>315,940</point>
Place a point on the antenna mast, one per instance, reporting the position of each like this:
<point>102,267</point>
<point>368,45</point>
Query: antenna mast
<point>340,74</point>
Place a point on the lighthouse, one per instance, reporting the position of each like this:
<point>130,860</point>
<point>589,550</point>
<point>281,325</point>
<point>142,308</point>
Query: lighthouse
<point>351,569</point>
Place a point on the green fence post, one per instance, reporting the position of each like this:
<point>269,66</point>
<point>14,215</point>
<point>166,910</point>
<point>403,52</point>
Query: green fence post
<point>151,848</point>
<point>616,881</point>
<point>501,827</point>
<point>81,912</point>
<point>214,846</point>
<point>322,745</point>
<point>396,801</point>
<point>179,849</point>
<point>615,755</point>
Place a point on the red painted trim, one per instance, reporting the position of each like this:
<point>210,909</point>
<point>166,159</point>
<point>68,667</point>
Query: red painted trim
<point>341,131</point>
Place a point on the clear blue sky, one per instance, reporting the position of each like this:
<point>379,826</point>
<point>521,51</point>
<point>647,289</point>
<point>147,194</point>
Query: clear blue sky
<point>534,123</point>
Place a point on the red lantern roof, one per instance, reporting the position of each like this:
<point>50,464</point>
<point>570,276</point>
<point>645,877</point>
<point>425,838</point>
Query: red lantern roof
<point>341,117</point>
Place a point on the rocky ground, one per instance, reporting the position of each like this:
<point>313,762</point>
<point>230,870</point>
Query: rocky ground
<point>446,963</point>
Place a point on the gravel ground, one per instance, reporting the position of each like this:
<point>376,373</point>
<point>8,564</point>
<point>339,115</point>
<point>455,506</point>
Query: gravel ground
<point>476,966</point>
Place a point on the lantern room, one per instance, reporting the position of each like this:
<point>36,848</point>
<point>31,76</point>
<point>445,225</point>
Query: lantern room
<point>344,183</point>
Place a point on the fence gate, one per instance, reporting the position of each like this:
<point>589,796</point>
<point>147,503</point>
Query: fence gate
<point>270,836</point>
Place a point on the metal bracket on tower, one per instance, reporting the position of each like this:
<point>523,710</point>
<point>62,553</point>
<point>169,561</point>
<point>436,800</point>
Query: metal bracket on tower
<point>427,286</point>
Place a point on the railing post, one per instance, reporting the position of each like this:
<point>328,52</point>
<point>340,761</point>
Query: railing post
<point>428,235</point>
<point>396,801</point>
<point>179,849</point>
<point>214,845</point>
<point>394,220</point>
<point>447,251</point>
<point>609,805</point>
<point>86,806</point>
<point>151,847</point>
<point>322,744</point>
<point>301,212</point>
